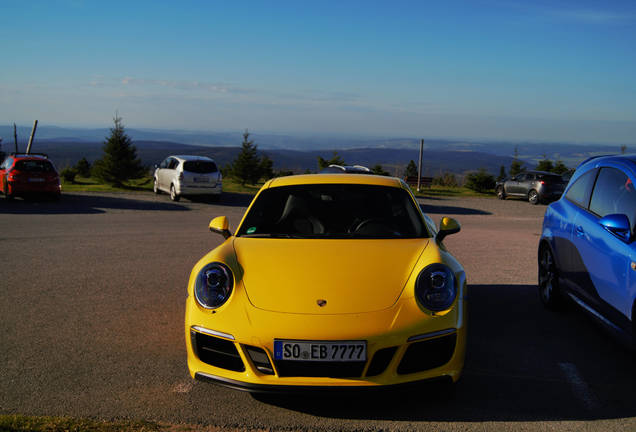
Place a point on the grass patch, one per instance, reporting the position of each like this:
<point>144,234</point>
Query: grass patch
<point>449,191</point>
<point>22,423</point>
<point>90,184</point>
<point>82,184</point>
<point>231,185</point>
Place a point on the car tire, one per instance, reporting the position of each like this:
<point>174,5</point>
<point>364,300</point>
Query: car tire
<point>549,290</point>
<point>155,187</point>
<point>174,196</point>
<point>7,195</point>
<point>533,197</point>
<point>500,193</point>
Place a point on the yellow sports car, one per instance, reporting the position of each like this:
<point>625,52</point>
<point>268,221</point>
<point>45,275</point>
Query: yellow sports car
<point>330,280</point>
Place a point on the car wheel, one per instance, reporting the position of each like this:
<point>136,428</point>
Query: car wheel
<point>549,291</point>
<point>155,187</point>
<point>174,196</point>
<point>7,195</point>
<point>500,193</point>
<point>533,197</point>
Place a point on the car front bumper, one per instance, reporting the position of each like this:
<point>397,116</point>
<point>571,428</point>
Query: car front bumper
<point>404,345</point>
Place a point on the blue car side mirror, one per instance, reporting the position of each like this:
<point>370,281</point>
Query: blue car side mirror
<point>617,224</point>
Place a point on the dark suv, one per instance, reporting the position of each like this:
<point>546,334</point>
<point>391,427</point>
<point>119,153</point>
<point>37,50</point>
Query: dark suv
<point>535,186</point>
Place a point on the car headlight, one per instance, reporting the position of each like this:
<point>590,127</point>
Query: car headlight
<point>435,287</point>
<point>213,285</point>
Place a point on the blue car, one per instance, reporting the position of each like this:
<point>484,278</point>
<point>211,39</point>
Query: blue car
<point>587,251</point>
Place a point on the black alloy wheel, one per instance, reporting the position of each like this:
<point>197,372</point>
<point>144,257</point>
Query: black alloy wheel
<point>548,280</point>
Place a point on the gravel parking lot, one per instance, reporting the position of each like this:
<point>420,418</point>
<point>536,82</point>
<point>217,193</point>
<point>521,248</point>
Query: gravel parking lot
<point>93,291</point>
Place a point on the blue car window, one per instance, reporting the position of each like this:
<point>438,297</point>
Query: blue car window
<point>579,192</point>
<point>614,193</point>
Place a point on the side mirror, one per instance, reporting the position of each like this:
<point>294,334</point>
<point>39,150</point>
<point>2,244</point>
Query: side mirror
<point>221,226</point>
<point>447,226</point>
<point>617,224</point>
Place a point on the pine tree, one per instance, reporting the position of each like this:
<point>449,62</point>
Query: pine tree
<point>545,165</point>
<point>411,169</point>
<point>502,173</point>
<point>378,170</point>
<point>83,167</point>
<point>335,160</point>
<point>560,168</point>
<point>516,166</point>
<point>119,162</point>
<point>266,167</point>
<point>246,168</point>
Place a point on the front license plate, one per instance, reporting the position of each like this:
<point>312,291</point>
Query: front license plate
<point>36,179</point>
<point>339,351</point>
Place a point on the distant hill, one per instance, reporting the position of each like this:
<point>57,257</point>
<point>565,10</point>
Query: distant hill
<point>435,162</point>
<point>300,153</point>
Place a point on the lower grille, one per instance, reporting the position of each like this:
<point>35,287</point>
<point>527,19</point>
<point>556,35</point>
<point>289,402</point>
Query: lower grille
<point>428,354</point>
<point>381,361</point>
<point>216,351</point>
<point>292,368</point>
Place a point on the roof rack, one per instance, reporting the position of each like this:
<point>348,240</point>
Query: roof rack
<point>30,154</point>
<point>346,169</point>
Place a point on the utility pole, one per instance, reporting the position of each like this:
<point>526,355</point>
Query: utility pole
<point>15,137</point>
<point>419,166</point>
<point>35,126</point>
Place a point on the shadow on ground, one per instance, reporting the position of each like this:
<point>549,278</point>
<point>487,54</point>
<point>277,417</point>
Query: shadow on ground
<point>451,210</point>
<point>82,204</point>
<point>230,199</point>
<point>518,368</point>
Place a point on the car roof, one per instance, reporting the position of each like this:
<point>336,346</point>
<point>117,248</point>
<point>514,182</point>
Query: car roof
<point>622,158</point>
<point>29,156</point>
<point>305,179</point>
<point>186,158</point>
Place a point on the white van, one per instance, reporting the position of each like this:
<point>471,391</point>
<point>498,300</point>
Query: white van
<point>188,176</point>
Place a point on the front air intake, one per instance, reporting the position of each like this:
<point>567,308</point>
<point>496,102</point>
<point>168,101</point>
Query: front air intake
<point>217,352</point>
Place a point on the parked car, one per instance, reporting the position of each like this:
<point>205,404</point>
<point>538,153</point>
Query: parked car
<point>535,186</point>
<point>188,176</point>
<point>587,251</point>
<point>24,174</point>
<point>330,281</point>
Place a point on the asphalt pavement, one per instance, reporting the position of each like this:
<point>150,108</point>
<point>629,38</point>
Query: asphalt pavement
<point>92,304</point>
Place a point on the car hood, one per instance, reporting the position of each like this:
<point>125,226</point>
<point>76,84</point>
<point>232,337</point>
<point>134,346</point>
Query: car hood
<point>352,276</point>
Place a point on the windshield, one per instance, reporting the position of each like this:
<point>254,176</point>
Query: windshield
<point>200,167</point>
<point>333,211</point>
<point>32,165</point>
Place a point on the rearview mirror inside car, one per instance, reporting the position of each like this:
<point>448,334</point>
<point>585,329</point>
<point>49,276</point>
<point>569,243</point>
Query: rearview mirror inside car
<point>221,226</point>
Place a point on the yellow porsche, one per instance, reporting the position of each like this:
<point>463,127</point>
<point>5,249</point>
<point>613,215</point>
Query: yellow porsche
<point>330,280</point>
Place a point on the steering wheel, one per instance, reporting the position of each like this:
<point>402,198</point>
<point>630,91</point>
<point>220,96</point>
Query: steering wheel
<point>377,223</point>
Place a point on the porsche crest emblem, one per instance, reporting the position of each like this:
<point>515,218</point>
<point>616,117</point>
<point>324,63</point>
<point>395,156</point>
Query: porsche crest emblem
<point>321,302</point>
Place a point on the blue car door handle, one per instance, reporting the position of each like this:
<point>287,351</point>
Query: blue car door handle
<point>579,231</point>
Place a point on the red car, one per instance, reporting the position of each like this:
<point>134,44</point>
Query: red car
<point>29,174</point>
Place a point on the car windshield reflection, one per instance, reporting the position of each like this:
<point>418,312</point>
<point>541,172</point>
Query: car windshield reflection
<point>333,211</point>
